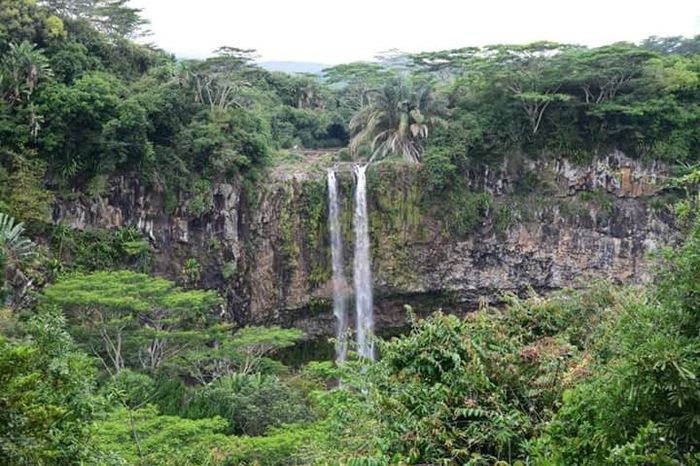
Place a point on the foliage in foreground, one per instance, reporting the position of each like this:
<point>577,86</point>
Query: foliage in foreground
<point>642,402</point>
<point>46,396</point>
<point>602,376</point>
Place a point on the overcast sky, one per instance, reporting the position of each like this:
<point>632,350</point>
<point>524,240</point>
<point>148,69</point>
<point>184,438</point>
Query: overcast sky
<point>334,31</point>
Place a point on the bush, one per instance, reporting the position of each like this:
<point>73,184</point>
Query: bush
<point>143,437</point>
<point>439,170</point>
<point>643,396</point>
<point>466,210</point>
<point>201,200</point>
<point>130,388</point>
<point>46,403</point>
<point>251,403</point>
<point>99,249</point>
<point>440,394</point>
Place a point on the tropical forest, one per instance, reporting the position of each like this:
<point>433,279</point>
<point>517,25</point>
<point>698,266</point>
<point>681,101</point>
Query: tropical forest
<point>481,255</point>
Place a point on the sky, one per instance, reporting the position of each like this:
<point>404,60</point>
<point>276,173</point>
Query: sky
<point>333,32</point>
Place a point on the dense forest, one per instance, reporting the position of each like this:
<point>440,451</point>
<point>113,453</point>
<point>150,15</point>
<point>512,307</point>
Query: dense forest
<point>104,363</point>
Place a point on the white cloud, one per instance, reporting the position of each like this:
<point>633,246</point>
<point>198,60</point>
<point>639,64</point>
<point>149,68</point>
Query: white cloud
<point>333,32</point>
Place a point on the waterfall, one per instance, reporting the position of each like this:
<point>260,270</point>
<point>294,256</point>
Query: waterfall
<point>340,298</point>
<point>362,269</point>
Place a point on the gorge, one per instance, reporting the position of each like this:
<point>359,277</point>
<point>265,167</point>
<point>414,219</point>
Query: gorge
<point>485,255</point>
<point>592,221</point>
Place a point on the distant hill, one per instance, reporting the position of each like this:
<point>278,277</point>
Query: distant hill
<point>294,66</point>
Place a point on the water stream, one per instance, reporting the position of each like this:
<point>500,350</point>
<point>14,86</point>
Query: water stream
<point>340,295</point>
<point>362,273</point>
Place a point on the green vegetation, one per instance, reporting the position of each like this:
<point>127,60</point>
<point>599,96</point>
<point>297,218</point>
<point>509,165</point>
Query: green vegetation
<point>124,315</point>
<point>47,397</point>
<point>467,211</point>
<point>81,103</point>
<point>604,376</point>
<point>14,250</point>
<point>97,249</point>
<point>104,363</point>
<point>397,119</point>
<point>601,376</point>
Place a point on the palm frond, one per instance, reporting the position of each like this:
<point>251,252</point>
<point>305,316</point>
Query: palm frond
<point>397,119</point>
<point>14,245</point>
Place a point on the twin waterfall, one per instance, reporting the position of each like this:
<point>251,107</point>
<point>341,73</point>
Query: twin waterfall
<point>362,271</point>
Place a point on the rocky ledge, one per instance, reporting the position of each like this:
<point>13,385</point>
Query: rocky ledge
<point>535,224</point>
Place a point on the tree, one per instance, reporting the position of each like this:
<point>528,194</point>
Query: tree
<point>252,403</point>
<point>219,82</point>
<point>440,395</point>
<point>46,400</point>
<point>25,195</point>
<point>307,92</point>
<point>225,142</point>
<point>112,17</point>
<point>355,80</point>
<point>14,247</point>
<point>91,129</point>
<point>527,73</point>
<point>446,64</point>
<point>157,439</point>
<point>69,8</point>
<point>247,351</point>
<point>601,73</point>
<point>299,126</point>
<point>25,21</point>
<point>21,69</point>
<point>676,45</point>
<point>115,17</point>
<point>398,119</point>
<point>395,59</point>
<point>130,318</point>
<point>641,404</point>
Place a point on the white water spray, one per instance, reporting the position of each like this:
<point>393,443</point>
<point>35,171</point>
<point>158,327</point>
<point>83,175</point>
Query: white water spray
<point>340,296</point>
<point>362,268</point>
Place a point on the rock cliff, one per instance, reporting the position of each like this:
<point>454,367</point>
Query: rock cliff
<point>540,224</point>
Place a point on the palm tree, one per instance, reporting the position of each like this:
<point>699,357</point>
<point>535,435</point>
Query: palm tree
<point>398,120</point>
<point>21,69</point>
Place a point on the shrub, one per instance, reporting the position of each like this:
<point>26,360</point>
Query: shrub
<point>440,396</point>
<point>46,403</point>
<point>229,270</point>
<point>251,404</point>
<point>130,388</point>
<point>439,170</point>
<point>643,396</point>
<point>466,211</point>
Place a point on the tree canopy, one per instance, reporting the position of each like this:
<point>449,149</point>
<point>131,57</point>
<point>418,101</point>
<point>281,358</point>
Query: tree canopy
<point>104,363</point>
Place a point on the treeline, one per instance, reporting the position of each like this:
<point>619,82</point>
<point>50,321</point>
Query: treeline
<point>81,102</point>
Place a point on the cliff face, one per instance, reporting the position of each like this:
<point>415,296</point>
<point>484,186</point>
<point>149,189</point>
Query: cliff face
<point>540,224</point>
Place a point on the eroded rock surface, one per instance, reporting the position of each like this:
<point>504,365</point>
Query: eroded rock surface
<point>578,223</point>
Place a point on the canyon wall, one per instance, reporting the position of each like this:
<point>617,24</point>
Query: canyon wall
<point>526,224</point>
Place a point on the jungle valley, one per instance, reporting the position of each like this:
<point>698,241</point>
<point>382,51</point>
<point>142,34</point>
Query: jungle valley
<point>480,256</point>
